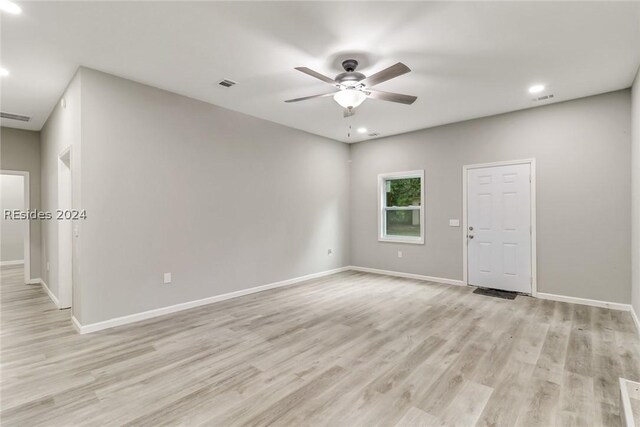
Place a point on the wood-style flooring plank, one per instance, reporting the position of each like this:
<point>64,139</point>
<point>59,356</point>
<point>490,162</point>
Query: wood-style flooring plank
<point>351,349</point>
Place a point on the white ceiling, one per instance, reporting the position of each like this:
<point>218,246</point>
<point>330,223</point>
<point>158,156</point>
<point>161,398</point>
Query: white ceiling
<point>469,59</point>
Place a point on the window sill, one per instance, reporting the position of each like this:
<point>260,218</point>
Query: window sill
<point>412,241</point>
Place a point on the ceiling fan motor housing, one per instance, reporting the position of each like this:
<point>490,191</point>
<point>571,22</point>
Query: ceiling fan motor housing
<point>349,65</point>
<point>350,77</point>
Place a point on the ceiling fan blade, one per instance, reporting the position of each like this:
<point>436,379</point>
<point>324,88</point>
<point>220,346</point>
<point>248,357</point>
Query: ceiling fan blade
<point>317,75</point>
<point>386,74</point>
<point>304,98</point>
<point>393,97</point>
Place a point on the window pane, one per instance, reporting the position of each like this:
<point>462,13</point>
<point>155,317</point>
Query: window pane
<point>403,223</point>
<point>403,192</point>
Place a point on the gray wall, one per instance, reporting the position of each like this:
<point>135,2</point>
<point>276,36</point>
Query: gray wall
<point>61,131</point>
<point>635,214</point>
<point>222,200</point>
<point>226,202</point>
<point>20,150</point>
<point>582,149</point>
<point>13,232</point>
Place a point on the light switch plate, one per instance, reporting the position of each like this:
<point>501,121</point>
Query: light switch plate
<point>454,223</point>
<point>167,278</point>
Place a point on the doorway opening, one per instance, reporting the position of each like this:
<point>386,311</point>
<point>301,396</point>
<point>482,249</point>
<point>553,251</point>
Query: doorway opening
<point>499,226</point>
<point>65,231</point>
<point>15,250</point>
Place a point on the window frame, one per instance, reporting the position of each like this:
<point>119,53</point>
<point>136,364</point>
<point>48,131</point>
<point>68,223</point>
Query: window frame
<point>382,208</point>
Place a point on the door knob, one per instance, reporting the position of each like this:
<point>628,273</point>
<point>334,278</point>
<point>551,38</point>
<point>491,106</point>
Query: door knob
<point>470,236</point>
<point>470,228</point>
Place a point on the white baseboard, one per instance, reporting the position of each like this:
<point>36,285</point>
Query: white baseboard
<point>76,324</point>
<point>541,295</point>
<point>48,291</point>
<point>408,275</point>
<point>585,301</point>
<point>41,282</point>
<point>8,263</point>
<point>136,317</point>
<point>634,316</point>
<point>627,411</point>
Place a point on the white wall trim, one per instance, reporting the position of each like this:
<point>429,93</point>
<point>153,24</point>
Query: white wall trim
<point>65,240</point>
<point>534,262</point>
<point>634,316</point>
<point>14,262</point>
<point>136,317</point>
<point>409,275</point>
<point>27,233</point>
<point>541,295</point>
<point>382,237</point>
<point>76,325</point>
<point>626,402</point>
<point>585,301</point>
<point>46,289</point>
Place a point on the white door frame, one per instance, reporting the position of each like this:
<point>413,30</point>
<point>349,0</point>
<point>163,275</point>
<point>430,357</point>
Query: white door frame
<point>465,170</point>
<point>65,247</point>
<point>27,235</point>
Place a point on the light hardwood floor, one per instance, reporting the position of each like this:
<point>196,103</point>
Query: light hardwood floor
<point>345,350</point>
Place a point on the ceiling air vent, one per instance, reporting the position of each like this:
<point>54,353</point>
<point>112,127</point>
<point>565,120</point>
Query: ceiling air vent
<point>227,83</point>
<point>14,117</point>
<point>543,98</point>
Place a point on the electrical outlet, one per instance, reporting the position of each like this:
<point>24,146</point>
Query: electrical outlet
<point>167,278</point>
<point>399,254</point>
<point>330,252</point>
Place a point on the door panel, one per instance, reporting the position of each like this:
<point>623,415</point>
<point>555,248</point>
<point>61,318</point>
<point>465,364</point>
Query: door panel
<point>484,257</point>
<point>499,226</point>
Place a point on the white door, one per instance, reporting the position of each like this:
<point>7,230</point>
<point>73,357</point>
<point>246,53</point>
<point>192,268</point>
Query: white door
<point>499,227</point>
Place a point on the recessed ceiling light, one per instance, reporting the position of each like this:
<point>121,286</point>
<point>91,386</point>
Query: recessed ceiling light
<point>362,130</point>
<point>10,7</point>
<point>536,88</point>
<point>4,72</point>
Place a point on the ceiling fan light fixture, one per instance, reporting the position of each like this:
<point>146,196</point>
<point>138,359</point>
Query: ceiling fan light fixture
<point>349,98</point>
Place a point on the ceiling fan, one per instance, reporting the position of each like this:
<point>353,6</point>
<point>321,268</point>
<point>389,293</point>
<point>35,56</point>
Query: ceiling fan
<point>354,87</point>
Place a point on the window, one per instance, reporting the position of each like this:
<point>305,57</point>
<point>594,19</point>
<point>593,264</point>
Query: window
<point>401,202</point>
